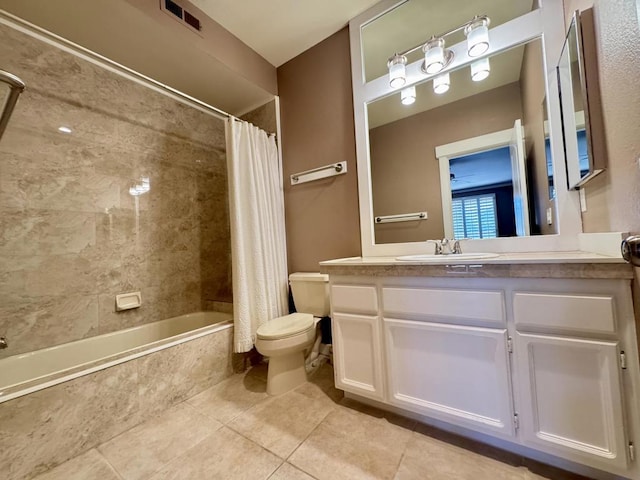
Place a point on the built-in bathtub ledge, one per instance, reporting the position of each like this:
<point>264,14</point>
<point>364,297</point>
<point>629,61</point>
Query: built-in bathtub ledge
<point>575,264</point>
<point>40,382</point>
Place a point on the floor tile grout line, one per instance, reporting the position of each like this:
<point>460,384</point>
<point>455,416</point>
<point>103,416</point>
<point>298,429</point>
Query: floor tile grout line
<point>206,415</point>
<point>395,474</point>
<point>117,472</point>
<point>333,409</point>
<point>255,443</point>
<point>156,417</point>
<point>206,437</point>
<point>308,435</point>
<point>274,472</point>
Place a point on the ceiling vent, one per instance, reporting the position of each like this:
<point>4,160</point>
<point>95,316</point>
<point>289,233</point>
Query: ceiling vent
<point>183,16</point>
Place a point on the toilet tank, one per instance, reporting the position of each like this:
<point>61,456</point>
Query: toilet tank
<point>311,293</point>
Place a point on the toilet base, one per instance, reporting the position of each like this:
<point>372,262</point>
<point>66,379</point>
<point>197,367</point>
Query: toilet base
<point>285,373</point>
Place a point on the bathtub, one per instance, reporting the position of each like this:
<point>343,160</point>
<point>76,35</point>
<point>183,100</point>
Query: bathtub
<point>61,401</point>
<point>26,373</point>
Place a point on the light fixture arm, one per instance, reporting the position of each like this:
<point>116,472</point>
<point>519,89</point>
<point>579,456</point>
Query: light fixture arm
<point>475,19</point>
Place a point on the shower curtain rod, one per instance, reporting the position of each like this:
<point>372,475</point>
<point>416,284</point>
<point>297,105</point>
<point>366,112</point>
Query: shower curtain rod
<point>95,58</point>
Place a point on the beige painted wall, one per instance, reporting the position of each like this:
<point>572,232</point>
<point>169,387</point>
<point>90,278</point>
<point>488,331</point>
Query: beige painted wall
<point>613,198</point>
<point>405,172</point>
<point>317,129</point>
<point>213,65</point>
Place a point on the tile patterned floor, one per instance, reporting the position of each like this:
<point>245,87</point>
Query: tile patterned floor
<point>236,431</point>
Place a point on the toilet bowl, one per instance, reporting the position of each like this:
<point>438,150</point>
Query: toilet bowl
<point>285,339</point>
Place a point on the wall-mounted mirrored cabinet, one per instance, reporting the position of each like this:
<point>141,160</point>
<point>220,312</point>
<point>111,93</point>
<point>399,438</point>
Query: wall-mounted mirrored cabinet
<point>585,148</point>
<point>458,128</point>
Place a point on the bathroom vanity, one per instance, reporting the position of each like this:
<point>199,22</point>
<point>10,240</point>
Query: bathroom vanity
<point>534,353</point>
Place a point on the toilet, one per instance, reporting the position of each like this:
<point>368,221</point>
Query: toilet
<point>284,339</point>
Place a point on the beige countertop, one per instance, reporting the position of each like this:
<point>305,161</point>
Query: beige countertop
<point>528,265</point>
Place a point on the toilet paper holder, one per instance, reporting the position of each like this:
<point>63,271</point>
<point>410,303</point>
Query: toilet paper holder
<point>631,250</point>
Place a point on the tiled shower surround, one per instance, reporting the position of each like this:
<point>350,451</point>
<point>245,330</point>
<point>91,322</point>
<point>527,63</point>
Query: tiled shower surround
<point>71,234</point>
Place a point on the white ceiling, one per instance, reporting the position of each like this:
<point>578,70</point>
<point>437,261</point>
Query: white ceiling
<point>279,30</point>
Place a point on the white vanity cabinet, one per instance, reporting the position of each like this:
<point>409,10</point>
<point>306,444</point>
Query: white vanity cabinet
<point>457,374</point>
<point>571,399</point>
<point>357,336</point>
<point>546,367</point>
<point>571,364</point>
<point>447,354</point>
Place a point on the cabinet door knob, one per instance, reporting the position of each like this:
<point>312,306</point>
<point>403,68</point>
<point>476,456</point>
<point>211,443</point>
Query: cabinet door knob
<point>631,250</point>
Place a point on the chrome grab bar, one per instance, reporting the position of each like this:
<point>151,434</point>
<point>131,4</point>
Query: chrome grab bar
<point>16,86</point>
<point>403,217</point>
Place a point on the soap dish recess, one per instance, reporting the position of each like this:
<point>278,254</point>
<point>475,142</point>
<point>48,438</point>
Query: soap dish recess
<point>127,301</point>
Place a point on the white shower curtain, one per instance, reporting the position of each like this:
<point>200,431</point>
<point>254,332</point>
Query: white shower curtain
<point>258,243</point>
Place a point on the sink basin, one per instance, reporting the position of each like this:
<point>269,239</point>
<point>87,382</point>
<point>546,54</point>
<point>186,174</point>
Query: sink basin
<point>445,258</point>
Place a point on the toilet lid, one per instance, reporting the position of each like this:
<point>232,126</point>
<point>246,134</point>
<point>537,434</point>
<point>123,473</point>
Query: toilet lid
<point>286,326</point>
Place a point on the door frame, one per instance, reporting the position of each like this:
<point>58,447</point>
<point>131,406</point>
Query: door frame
<point>444,153</point>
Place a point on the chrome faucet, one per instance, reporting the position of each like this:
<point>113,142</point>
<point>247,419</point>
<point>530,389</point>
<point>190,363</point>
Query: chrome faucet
<point>457,248</point>
<point>438,246</point>
<point>446,246</point>
<point>3,343</point>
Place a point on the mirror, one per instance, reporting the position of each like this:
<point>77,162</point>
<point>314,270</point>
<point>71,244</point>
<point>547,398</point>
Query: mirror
<point>585,153</point>
<point>469,163</point>
<point>522,25</point>
<point>547,150</point>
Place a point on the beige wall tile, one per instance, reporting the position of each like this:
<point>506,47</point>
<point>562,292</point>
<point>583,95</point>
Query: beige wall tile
<point>46,428</point>
<point>175,374</point>
<point>31,323</point>
<point>70,228</point>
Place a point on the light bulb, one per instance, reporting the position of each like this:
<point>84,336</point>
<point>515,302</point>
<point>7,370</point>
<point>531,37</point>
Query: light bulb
<point>477,34</point>
<point>480,69</point>
<point>408,95</point>
<point>434,55</point>
<point>441,83</point>
<point>397,71</point>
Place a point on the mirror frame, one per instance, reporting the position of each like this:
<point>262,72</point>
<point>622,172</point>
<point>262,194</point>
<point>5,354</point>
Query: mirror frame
<point>546,23</point>
<point>596,153</point>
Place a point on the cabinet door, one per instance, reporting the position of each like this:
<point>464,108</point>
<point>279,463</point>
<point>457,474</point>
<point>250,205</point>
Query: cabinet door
<point>571,402</point>
<point>357,352</point>
<point>452,373</point>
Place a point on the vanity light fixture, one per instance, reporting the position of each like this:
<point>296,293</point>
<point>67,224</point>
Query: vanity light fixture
<point>441,83</point>
<point>397,70</point>
<point>408,95</point>
<point>434,55</point>
<point>480,69</point>
<point>477,32</point>
<point>437,57</point>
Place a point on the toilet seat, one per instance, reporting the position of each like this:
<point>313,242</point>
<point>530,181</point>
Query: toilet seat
<point>286,326</point>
